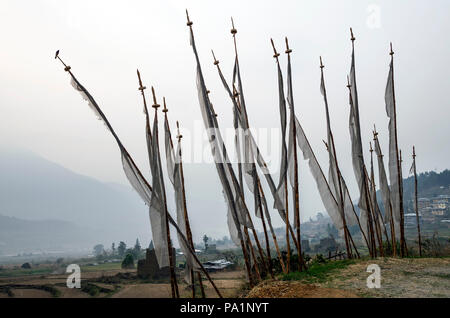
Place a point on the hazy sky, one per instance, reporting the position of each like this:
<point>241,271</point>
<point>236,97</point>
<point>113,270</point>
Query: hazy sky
<point>105,41</point>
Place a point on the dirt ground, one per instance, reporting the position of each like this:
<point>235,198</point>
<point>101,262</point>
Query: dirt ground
<point>426,277</point>
<point>286,289</point>
<point>400,278</point>
<point>229,283</point>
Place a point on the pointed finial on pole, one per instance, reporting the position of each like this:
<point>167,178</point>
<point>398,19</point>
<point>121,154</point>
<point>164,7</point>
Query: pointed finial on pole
<point>391,52</point>
<point>276,54</point>
<point>414,152</point>
<point>189,22</point>
<point>141,87</point>
<point>66,67</point>
<point>288,50</point>
<point>165,110</point>
<point>216,61</point>
<point>179,136</point>
<point>375,133</point>
<point>371,149</point>
<point>352,36</point>
<point>233,29</point>
<point>321,64</point>
<point>155,104</point>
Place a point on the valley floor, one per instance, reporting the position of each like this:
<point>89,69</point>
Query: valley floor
<point>409,277</point>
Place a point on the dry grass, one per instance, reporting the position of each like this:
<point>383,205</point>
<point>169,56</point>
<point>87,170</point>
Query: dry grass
<point>409,277</point>
<point>294,289</point>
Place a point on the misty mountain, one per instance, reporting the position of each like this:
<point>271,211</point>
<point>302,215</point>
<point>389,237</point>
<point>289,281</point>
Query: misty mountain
<point>33,188</point>
<point>18,236</point>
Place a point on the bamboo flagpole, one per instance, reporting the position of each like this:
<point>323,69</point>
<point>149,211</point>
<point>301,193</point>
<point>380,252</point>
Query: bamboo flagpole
<point>385,191</point>
<point>284,154</point>
<point>334,167</point>
<point>359,167</point>
<point>239,96</point>
<point>391,109</point>
<point>159,175</point>
<point>378,216</point>
<point>188,226</point>
<point>245,215</point>
<point>282,185</point>
<point>210,122</point>
<point>132,172</point>
<point>401,191</point>
<point>356,216</point>
<point>174,162</point>
<point>375,208</point>
<point>256,193</point>
<point>240,112</point>
<point>416,199</point>
<point>293,144</point>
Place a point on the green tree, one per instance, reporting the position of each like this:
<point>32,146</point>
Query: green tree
<point>128,262</point>
<point>99,249</point>
<point>332,230</point>
<point>137,247</point>
<point>205,240</point>
<point>121,248</point>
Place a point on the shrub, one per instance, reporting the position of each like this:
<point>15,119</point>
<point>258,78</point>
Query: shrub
<point>26,266</point>
<point>128,262</point>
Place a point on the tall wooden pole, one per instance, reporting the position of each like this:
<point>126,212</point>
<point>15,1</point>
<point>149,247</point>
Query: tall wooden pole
<point>341,195</point>
<point>288,227</point>
<point>401,191</point>
<point>378,212</point>
<point>369,216</point>
<point>227,189</point>
<point>173,277</point>
<point>173,281</point>
<point>188,227</point>
<point>268,267</point>
<point>186,218</point>
<point>258,244</point>
<point>374,205</point>
<point>416,201</point>
<point>346,231</point>
<point>399,178</point>
<point>370,238</point>
<point>236,102</point>
<point>388,209</point>
<point>274,237</point>
<point>301,264</point>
